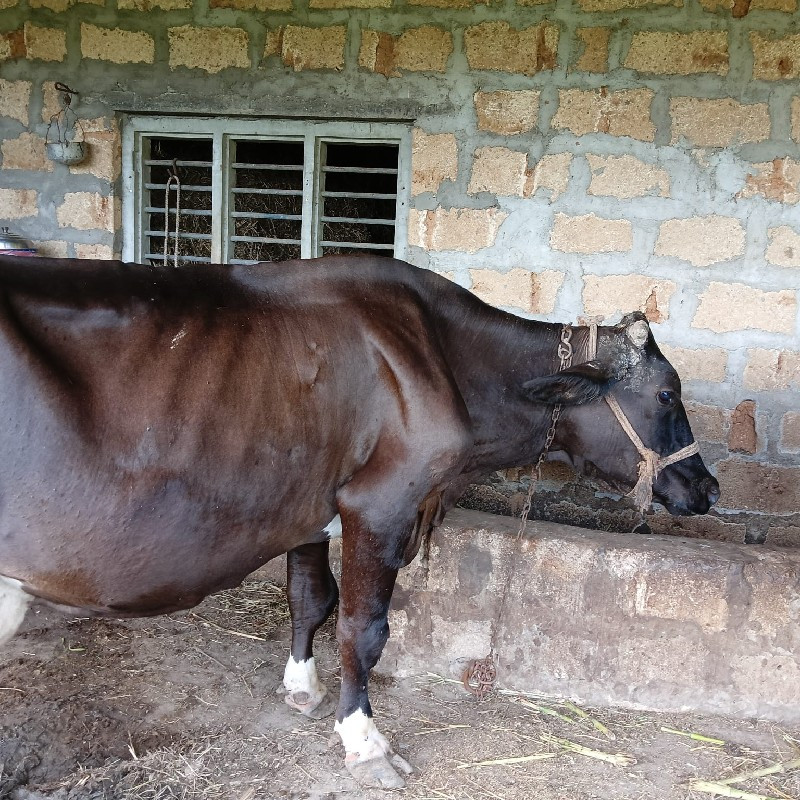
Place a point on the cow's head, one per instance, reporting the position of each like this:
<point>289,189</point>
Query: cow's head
<point>630,368</point>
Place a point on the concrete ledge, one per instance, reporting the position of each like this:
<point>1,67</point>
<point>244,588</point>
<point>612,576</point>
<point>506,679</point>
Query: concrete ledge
<point>650,622</point>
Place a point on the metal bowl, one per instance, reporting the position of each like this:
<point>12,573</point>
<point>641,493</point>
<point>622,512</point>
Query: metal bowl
<point>67,152</point>
<point>13,245</point>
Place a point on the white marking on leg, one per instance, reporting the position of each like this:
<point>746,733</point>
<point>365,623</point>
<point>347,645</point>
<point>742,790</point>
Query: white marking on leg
<point>361,739</point>
<point>13,605</point>
<point>334,528</point>
<point>303,687</point>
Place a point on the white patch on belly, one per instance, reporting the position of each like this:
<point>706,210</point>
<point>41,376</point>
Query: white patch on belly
<point>13,605</point>
<point>334,528</point>
<point>361,739</point>
<point>302,685</point>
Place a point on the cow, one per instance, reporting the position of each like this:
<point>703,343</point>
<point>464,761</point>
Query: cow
<point>166,431</point>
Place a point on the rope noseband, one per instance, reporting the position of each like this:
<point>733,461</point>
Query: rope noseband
<point>652,463</point>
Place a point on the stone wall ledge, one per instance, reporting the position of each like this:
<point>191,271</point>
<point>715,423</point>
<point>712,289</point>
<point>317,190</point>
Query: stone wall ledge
<point>646,622</point>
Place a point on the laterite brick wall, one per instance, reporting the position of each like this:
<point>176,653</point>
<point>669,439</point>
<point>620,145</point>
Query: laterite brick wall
<point>573,157</point>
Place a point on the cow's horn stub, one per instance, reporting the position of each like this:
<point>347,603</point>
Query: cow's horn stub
<point>638,331</point>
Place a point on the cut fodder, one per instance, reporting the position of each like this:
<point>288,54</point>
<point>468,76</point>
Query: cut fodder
<point>253,610</point>
<point>181,771</point>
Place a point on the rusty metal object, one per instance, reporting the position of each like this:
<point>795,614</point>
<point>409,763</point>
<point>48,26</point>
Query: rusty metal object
<point>479,676</point>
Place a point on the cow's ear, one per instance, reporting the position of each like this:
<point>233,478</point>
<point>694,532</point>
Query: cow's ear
<point>573,386</point>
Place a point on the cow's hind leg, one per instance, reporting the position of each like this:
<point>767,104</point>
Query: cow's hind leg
<point>313,595</point>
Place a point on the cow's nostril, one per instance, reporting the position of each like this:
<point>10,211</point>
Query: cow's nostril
<point>713,493</point>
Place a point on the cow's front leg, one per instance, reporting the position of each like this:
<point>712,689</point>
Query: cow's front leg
<point>362,631</point>
<point>313,595</point>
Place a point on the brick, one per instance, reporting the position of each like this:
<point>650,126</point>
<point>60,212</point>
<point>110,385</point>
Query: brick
<point>51,101</point>
<point>520,288</point>
<point>45,44</point>
<point>450,3</point>
<point>15,97</point>
<point>796,119</point>
<point>709,528</point>
<point>551,172</point>
<point>259,5</point>
<point>625,177</point>
<point>209,49</point>
<point>771,370</point>
<point>740,8</point>
<point>500,171</point>
<point>101,251</point>
<point>117,45</point>
<point>641,660</point>
<point>772,610</point>
<point>88,211</point>
<point>423,49</point>
<point>718,123</point>
<point>149,5</point>
<point>61,5</point>
<point>703,364</point>
<point>497,46</point>
<point>622,113</point>
<point>18,203</point>
<point>594,53</point>
<point>709,423</point>
<point>777,180</point>
<point>313,48</point>
<point>591,234</point>
<point>508,113</point>
<point>660,53</point>
<point>466,230</point>
<point>434,158</point>
<point>775,59</point>
<point>27,151</point>
<point>749,486</point>
<point>51,249</point>
<point>790,432</point>
<point>784,247</point>
<point>609,294</point>
<point>783,536</point>
<point>701,241</point>
<point>743,437</point>
<point>104,149</point>
<point>8,3</point>
<point>665,594</point>
<point>770,677</point>
<point>618,5</point>
<point>726,307</point>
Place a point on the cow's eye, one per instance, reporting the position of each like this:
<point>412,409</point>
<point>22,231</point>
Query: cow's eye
<point>667,398</point>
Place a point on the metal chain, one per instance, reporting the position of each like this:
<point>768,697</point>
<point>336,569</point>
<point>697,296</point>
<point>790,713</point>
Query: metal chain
<point>565,353</point>
<point>479,676</point>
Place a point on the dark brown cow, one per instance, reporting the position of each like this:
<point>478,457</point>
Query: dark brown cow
<point>166,431</point>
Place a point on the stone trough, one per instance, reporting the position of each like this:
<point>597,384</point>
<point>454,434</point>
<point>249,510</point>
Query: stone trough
<point>648,622</point>
<point>658,623</point>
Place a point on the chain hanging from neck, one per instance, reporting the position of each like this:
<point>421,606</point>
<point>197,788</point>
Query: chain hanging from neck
<point>565,354</point>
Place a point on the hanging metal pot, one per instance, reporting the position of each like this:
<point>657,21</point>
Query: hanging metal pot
<point>13,245</point>
<point>65,138</point>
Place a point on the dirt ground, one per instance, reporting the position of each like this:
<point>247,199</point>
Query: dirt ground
<point>186,707</point>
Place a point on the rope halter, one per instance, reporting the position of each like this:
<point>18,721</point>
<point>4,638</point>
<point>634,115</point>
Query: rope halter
<point>652,463</point>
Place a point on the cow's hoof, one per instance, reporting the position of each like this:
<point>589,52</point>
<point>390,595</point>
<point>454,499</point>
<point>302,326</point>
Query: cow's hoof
<point>312,707</point>
<point>382,772</point>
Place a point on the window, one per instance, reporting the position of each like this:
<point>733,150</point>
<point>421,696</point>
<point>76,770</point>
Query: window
<point>261,190</point>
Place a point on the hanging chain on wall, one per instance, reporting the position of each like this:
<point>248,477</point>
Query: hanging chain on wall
<point>172,181</point>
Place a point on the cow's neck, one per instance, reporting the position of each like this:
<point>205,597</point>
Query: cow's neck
<point>492,354</point>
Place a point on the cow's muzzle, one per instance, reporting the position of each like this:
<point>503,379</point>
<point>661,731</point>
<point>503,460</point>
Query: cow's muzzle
<point>702,494</point>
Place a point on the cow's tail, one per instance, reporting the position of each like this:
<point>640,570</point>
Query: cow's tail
<point>13,605</point>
